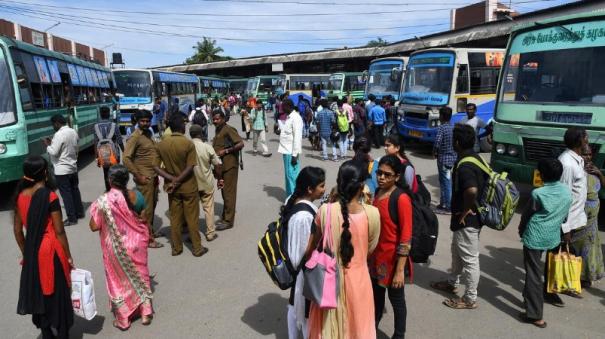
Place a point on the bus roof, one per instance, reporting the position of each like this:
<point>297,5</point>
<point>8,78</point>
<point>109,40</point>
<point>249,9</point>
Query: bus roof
<point>402,59</point>
<point>584,16</point>
<point>451,49</point>
<point>26,47</point>
<point>347,73</point>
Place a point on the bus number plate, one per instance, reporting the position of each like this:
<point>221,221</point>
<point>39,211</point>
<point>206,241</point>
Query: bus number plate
<point>537,179</point>
<point>416,134</point>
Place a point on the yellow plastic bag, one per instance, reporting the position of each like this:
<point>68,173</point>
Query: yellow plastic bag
<point>564,270</point>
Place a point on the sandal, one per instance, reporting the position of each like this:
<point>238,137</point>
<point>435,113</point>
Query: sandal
<point>459,304</point>
<point>115,324</point>
<point>573,294</point>
<point>538,323</point>
<point>155,244</point>
<point>444,286</point>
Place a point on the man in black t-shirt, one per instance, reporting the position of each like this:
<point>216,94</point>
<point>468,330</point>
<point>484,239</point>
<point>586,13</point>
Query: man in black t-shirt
<point>468,182</point>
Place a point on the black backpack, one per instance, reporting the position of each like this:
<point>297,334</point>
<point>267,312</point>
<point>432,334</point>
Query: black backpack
<point>425,226</point>
<point>273,249</point>
<point>199,118</point>
<point>423,196</point>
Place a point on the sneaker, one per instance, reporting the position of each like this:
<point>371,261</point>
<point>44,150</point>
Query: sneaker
<point>266,155</point>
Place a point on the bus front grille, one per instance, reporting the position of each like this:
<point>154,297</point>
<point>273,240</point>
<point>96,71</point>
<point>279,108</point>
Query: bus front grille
<point>541,149</point>
<point>536,149</point>
<point>416,115</point>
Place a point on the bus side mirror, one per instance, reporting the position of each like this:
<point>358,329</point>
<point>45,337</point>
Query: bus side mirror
<point>395,72</point>
<point>364,76</point>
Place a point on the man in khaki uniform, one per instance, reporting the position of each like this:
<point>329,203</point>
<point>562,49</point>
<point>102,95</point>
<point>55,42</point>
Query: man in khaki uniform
<point>139,157</point>
<point>207,162</point>
<point>227,144</point>
<point>179,157</point>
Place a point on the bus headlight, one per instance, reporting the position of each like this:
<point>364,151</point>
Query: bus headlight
<point>434,123</point>
<point>513,151</point>
<point>500,149</point>
<point>2,148</point>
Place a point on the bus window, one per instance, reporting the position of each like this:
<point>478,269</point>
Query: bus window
<point>462,80</point>
<point>8,114</point>
<point>26,101</point>
<point>484,80</point>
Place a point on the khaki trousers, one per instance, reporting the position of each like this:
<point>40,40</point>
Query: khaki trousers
<point>150,193</point>
<point>229,193</point>
<point>184,208</point>
<point>207,200</point>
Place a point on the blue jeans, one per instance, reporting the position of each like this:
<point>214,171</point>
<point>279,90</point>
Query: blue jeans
<point>291,173</point>
<point>305,133</point>
<point>324,148</point>
<point>343,143</point>
<point>445,185</point>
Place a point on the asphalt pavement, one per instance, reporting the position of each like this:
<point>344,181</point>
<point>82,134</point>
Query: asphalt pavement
<point>227,293</point>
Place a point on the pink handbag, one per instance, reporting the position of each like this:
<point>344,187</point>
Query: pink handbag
<point>321,270</point>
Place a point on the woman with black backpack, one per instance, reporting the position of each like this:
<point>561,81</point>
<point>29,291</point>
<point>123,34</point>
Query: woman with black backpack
<point>393,145</point>
<point>299,213</point>
<point>389,260</point>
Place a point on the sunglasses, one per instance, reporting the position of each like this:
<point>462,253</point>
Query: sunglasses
<point>387,175</point>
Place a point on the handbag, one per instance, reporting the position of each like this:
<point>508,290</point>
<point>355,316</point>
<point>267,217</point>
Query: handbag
<point>321,270</point>
<point>83,294</point>
<point>564,270</point>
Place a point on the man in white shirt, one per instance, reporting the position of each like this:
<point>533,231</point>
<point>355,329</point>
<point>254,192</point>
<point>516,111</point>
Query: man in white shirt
<point>574,177</point>
<point>63,152</point>
<point>290,144</point>
<point>474,121</point>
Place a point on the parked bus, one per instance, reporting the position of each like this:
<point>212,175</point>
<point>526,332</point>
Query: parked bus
<point>262,86</point>
<point>238,85</point>
<point>212,87</point>
<point>450,77</point>
<point>310,86</point>
<point>36,84</point>
<point>140,87</point>
<point>385,77</point>
<point>346,84</point>
<point>553,79</point>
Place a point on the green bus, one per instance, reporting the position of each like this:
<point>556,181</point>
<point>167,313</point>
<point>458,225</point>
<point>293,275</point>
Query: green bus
<point>346,84</point>
<point>553,78</point>
<point>36,84</point>
<point>263,85</point>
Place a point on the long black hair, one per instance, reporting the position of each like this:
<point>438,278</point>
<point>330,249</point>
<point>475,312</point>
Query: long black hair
<point>35,169</point>
<point>351,177</point>
<point>362,148</point>
<point>309,177</point>
<point>396,140</point>
<point>118,178</point>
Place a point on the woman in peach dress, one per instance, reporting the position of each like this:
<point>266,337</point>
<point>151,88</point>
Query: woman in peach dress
<point>354,241</point>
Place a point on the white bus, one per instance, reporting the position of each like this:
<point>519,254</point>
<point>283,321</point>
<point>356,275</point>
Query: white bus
<point>140,87</point>
<point>310,86</point>
<point>450,77</point>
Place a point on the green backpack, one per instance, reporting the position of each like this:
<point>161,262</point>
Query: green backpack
<point>497,203</point>
<point>343,122</point>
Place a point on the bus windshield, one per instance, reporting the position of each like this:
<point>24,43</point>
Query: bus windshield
<point>379,80</point>
<point>429,79</point>
<point>571,76</point>
<point>335,82</point>
<point>133,84</point>
<point>251,86</point>
<point>7,103</point>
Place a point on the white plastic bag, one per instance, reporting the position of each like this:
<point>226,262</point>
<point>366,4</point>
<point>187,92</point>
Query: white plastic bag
<point>83,294</point>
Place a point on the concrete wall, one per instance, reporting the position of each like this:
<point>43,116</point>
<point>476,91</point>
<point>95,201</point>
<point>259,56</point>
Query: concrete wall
<point>7,28</point>
<point>82,50</point>
<point>61,45</point>
<point>27,35</point>
<point>98,55</point>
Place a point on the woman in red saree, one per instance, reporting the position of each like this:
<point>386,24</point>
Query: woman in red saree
<point>124,238</point>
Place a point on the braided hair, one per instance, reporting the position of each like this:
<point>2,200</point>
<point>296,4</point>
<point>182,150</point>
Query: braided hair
<point>118,178</point>
<point>351,177</point>
<point>309,177</point>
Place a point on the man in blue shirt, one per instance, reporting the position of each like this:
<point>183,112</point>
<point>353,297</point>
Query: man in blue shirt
<point>443,150</point>
<point>302,110</point>
<point>325,120</point>
<point>159,112</point>
<point>377,118</point>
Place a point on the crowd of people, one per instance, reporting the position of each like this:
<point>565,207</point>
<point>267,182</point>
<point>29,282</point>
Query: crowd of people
<point>371,245</point>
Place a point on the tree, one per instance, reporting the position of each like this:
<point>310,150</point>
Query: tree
<point>206,51</point>
<point>379,42</point>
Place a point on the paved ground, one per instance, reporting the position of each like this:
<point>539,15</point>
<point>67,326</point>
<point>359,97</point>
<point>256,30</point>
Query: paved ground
<point>227,294</point>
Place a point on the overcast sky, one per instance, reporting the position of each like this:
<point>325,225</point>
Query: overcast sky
<point>153,33</point>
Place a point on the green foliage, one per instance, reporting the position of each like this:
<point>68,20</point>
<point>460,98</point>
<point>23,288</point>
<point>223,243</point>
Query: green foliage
<point>206,51</point>
<point>379,42</point>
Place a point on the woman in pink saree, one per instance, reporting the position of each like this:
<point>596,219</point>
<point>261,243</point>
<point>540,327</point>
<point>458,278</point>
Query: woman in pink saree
<point>124,238</point>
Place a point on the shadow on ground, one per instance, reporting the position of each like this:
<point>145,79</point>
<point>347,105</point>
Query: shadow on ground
<point>268,316</point>
<point>275,192</point>
<point>82,326</point>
